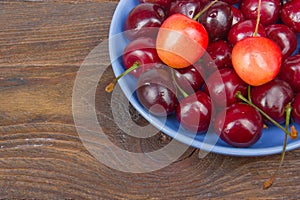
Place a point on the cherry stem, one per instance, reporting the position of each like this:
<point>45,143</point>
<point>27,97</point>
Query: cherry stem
<point>111,85</point>
<point>249,92</point>
<point>258,18</point>
<point>184,94</point>
<point>240,96</point>
<point>204,9</point>
<point>288,111</point>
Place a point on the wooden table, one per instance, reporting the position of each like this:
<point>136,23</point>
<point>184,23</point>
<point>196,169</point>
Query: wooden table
<point>42,45</point>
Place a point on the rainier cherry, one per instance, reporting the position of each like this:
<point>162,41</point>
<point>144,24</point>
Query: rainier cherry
<point>256,59</point>
<point>181,41</point>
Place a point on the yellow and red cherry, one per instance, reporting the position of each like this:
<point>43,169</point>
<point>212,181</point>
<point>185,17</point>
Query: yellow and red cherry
<point>181,41</point>
<point>256,59</point>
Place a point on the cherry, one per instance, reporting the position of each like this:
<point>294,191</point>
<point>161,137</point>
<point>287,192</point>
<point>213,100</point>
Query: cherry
<point>194,112</point>
<point>189,8</point>
<point>156,92</point>
<point>217,20</point>
<point>239,125</point>
<point>290,72</point>
<point>144,20</point>
<point>269,10</point>
<point>290,15</point>
<point>140,51</point>
<point>190,78</point>
<point>237,15</point>
<point>219,56</point>
<point>284,37</point>
<point>232,1</point>
<point>296,109</point>
<point>285,1</point>
<point>243,30</point>
<point>223,85</point>
<point>181,41</point>
<point>256,60</point>
<point>273,98</point>
<point>165,3</point>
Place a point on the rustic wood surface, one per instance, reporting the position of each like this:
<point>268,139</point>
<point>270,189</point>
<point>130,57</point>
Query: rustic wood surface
<point>42,45</point>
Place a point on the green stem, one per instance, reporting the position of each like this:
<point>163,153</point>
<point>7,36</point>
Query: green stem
<point>287,124</point>
<point>110,87</point>
<point>249,92</point>
<point>184,94</point>
<point>204,9</point>
<point>258,18</point>
<point>240,96</point>
<point>133,67</point>
<point>288,111</point>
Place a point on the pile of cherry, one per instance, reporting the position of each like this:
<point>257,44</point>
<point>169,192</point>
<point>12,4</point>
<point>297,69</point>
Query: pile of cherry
<point>242,85</point>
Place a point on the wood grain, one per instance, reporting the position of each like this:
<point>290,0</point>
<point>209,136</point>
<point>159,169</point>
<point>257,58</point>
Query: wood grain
<point>42,45</point>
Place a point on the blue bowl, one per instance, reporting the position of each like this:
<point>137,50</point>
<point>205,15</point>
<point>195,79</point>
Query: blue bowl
<point>270,143</point>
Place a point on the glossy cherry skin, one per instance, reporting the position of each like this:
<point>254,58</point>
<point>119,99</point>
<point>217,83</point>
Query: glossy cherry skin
<point>232,1</point>
<point>165,3</point>
<point>223,85</point>
<point>243,30</point>
<point>269,10</point>
<point>190,78</point>
<point>290,72</point>
<point>217,20</point>
<point>142,51</point>
<point>296,108</point>
<point>219,56</point>
<point>144,20</point>
<point>181,41</point>
<point>272,98</point>
<point>189,8</point>
<point>194,112</point>
<point>284,37</point>
<point>239,125</point>
<point>256,60</point>
<point>156,92</point>
<point>237,15</point>
<point>290,15</point>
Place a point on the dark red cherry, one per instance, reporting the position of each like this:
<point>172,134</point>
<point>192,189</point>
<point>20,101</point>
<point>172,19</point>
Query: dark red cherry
<point>144,20</point>
<point>219,56</point>
<point>189,8</point>
<point>217,20</point>
<point>232,1</point>
<point>141,51</point>
<point>284,37</point>
<point>239,125</point>
<point>156,92</point>
<point>269,10</point>
<point>290,15</point>
<point>290,72</point>
<point>237,15</point>
<point>194,112</point>
<point>285,1</point>
<point>296,109</point>
<point>244,29</point>
<point>272,98</point>
<point>223,85</point>
<point>190,78</point>
<point>165,3</point>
